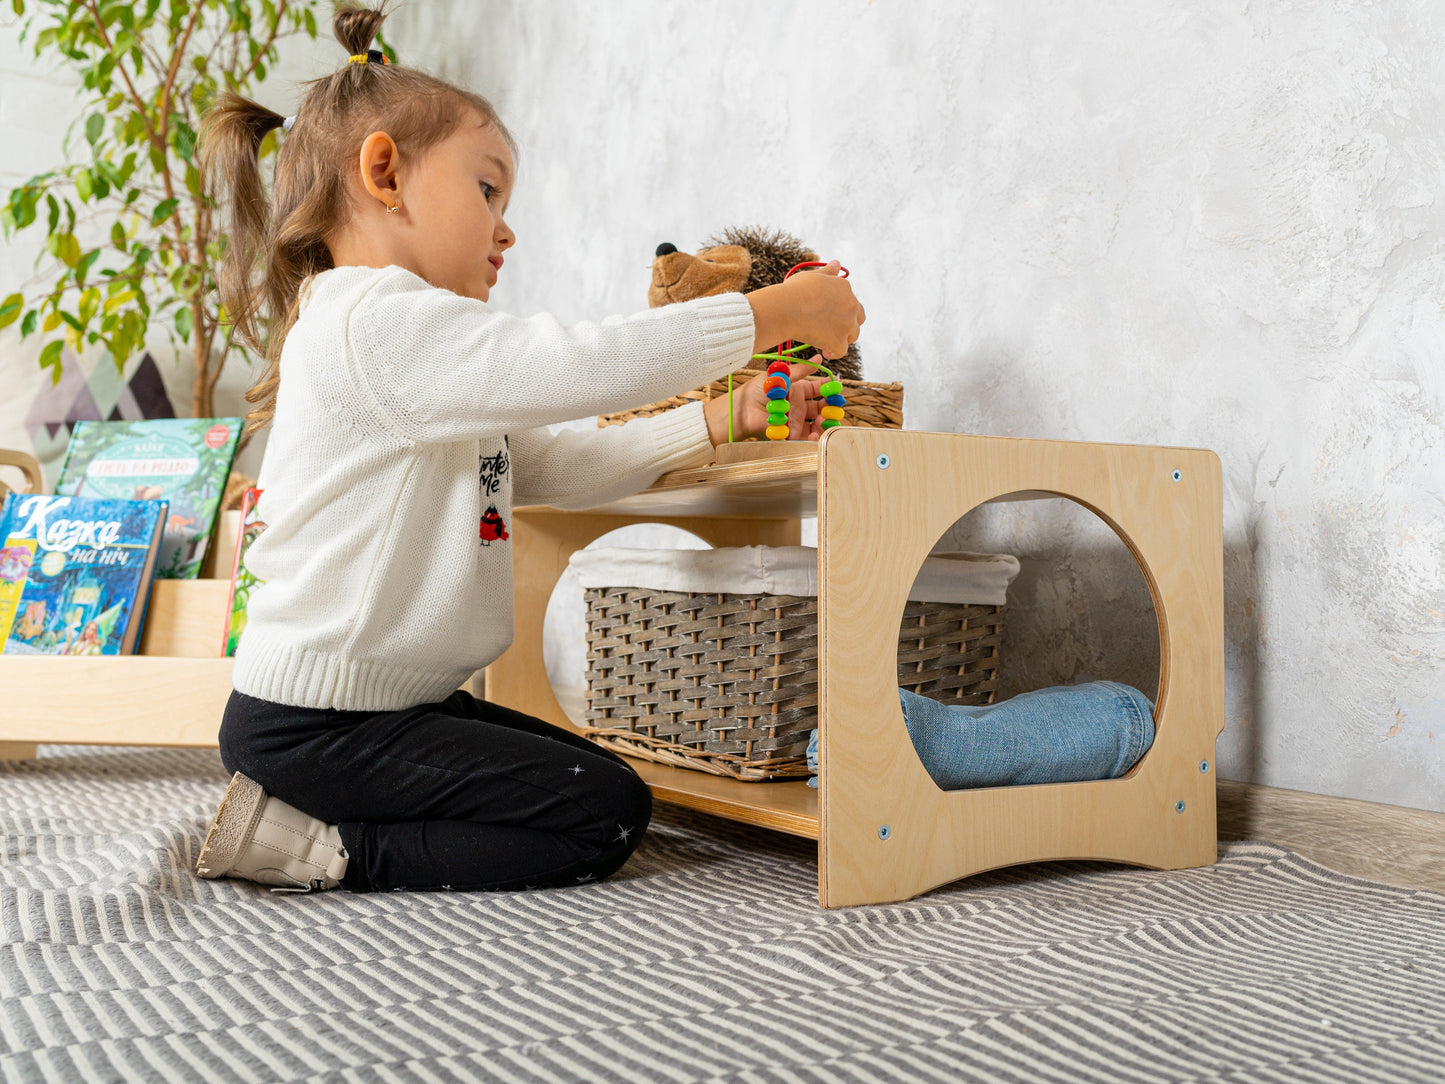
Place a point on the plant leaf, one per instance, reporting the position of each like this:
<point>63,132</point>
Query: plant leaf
<point>89,302</point>
<point>164,209</point>
<point>10,309</point>
<point>94,125</point>
<point>113,303</point>
<point>86,261</point>
<point>66,248</point>
<point>184,140</point>
<point>50,357</point>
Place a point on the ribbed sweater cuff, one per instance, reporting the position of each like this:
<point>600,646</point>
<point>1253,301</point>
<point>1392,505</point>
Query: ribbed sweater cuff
<point>679,438</point>
<point>726,321</point>
<point>314,679</point>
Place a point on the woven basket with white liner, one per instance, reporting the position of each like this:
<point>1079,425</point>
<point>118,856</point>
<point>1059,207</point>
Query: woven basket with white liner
<point>708,659</point>
<point>870,405</point>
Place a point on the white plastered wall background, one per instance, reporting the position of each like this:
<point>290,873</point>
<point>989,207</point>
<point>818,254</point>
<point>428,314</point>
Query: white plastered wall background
<point>1207,224</point>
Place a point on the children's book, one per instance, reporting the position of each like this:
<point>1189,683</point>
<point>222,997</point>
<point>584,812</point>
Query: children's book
<point>241,579</point>
<point>184,461</point>
<point>75,573</point>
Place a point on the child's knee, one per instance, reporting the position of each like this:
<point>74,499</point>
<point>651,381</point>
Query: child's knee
<point>628,804</point>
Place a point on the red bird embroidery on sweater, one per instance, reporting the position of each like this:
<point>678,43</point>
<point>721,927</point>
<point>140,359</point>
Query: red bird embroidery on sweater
<point>492,528</point>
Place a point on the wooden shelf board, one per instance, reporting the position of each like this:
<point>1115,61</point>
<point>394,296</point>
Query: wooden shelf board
<point>790,806</point>
<point>756,489</point>
<point>113,699</point>
<point>750,451</point>
<point>186,619</point>
<point>768,486</point>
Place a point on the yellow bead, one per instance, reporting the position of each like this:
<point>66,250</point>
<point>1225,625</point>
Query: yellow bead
<point>777,432</point>
<point>834,412</point>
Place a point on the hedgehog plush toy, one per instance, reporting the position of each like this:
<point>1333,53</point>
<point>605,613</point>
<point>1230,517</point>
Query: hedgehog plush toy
<point>740,259</point>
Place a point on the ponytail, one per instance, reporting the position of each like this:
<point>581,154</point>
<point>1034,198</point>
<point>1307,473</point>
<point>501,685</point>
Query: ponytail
<point>356,27</point>
<point>229,150</point>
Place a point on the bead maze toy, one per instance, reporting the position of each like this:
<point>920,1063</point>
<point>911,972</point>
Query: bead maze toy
<point>776,385</point>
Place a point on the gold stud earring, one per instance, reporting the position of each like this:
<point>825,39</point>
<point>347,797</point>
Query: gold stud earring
<point>394,208</point>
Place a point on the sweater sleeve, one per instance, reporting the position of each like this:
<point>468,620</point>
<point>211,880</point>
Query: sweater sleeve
<point>438,367</point>
<point>575,468</point>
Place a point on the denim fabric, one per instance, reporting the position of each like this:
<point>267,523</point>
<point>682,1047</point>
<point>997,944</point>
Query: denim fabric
<point>1063,734</point>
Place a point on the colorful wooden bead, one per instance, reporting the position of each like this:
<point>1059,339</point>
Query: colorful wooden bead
<point>780,367</point>
<point>831,387</point>
<point>829,423</point>
<point>778,406</point>
<point>777,432</point>
<point>836,400</point>
<point>778,393</point>
<point>833,413</point>
<point>776,382</point>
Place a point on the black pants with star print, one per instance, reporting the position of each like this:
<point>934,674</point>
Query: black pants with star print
<point>461,794</point>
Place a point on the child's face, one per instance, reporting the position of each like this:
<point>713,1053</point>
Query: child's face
<point>454,199</point>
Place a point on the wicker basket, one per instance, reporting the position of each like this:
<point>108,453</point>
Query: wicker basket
<point>871,406</point>
<point>728,683</point>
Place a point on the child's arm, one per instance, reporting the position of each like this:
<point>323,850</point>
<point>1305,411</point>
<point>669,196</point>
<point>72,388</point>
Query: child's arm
<point>575,469</point>
<point>437,367</point>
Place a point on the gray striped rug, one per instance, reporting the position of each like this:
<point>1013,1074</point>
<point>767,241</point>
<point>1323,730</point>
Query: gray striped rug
<point>705,959</point>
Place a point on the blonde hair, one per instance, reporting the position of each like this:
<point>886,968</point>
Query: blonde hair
<point>275,244</point>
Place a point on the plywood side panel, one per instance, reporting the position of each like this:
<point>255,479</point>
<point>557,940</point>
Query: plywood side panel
<point>887,831</point>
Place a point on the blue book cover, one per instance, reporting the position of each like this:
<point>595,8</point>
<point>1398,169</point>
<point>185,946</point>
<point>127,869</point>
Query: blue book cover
<point>75,573</point>
<point>183,461</point>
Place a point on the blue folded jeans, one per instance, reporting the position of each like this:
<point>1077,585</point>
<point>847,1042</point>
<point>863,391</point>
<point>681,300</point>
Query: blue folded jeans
<point>1064,734</point>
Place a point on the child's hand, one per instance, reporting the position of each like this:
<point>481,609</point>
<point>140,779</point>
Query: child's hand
<point>815,307</point>
<point>750,407</point>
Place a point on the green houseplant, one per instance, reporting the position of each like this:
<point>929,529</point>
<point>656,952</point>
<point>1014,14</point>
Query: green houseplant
<point>131,237</point>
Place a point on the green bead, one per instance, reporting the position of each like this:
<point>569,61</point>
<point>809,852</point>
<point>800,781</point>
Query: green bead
<point>831,387</point>
<point>778,406</point>
<point>828,423</point>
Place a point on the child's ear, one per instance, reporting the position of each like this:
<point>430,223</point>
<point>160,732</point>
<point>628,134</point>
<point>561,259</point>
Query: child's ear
<point>379,162</point>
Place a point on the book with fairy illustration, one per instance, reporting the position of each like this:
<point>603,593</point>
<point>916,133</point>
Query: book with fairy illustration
<point>75,573</point>
<point>241,579</point>
<point>184,461</point>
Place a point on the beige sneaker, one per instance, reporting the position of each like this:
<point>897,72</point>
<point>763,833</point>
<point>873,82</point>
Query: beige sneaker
<point>265,840</point>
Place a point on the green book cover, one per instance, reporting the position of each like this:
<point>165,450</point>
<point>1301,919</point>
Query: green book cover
<point>242,581</point>
<point>184,461</point>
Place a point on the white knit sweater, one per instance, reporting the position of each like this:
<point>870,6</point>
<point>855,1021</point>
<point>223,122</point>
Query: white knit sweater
<point>408,421</point>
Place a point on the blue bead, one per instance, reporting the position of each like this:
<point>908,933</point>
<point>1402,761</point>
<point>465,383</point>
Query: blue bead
<point>777,393</point>
<point>836,400</point>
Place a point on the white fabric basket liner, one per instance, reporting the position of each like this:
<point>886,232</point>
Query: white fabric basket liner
<point>975,579</point>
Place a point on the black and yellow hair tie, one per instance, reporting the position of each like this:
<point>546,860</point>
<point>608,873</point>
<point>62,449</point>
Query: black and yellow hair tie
<point>371,56</point>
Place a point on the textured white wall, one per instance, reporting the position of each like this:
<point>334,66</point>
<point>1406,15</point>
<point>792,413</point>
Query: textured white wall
<point>1209,224</point>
